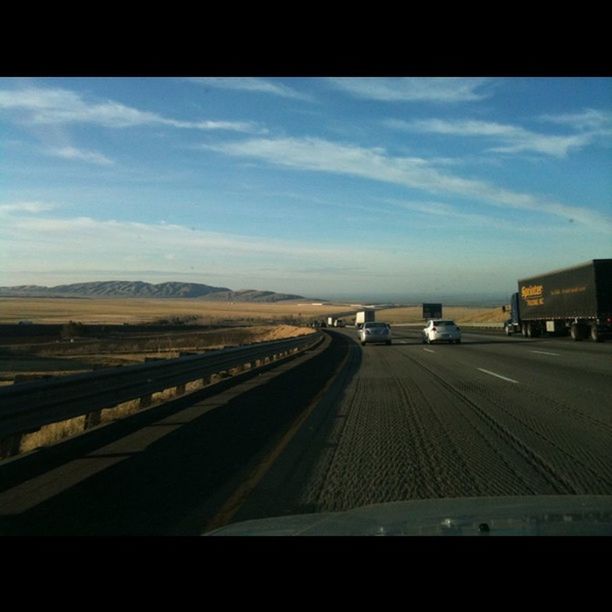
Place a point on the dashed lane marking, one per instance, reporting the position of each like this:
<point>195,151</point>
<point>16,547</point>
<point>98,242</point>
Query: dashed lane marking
<point>498,375</point>
<point>545,353</point>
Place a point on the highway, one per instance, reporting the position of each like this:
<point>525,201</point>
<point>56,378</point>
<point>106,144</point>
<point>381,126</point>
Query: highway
<point>493,416</point>
<point>344,427</point>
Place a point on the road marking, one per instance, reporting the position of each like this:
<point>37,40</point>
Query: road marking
<point>429,350</point>
<point>545,353</point>
<point>498,375</point>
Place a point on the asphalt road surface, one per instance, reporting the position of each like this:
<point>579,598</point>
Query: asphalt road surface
<point>493,416</point>
<point>347,427</point>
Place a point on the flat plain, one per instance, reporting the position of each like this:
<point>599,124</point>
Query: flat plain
<point>139,311</point>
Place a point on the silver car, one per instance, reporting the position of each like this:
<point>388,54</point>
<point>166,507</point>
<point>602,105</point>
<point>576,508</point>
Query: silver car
<point>375,331</point>
<point>441,331</point>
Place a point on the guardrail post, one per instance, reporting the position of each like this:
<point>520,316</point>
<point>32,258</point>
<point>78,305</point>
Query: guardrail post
<point>93,418</point>
<point>145,401</point>
<point>180,389</point>
<point>10,445</point>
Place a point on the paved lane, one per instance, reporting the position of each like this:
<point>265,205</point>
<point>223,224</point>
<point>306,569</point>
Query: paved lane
<point>492,416</point>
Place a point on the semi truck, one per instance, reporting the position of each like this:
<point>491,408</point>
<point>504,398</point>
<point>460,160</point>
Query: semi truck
<point>577,300</point>
<point>364,316</point>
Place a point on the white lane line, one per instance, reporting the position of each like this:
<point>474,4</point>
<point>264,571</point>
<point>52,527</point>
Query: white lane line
<point>498,375</point>
<point>545,353</point>
<point>429,350</point>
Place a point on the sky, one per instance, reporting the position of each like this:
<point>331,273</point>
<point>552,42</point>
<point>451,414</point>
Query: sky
<point>388,189</point>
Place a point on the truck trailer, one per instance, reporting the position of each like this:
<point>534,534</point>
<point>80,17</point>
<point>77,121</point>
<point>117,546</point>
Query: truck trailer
<point>577,300</point>
<point>364,316</point>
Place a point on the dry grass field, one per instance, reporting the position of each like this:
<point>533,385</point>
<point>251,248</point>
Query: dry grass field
<point>134,310</point>
<point>139,311</point>
<point>462,315</point>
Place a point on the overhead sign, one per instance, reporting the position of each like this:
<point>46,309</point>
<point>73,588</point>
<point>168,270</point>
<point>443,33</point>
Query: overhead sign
<point>432,311</point>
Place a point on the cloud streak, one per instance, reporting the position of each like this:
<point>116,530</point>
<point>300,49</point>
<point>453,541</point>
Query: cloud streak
<point>514,139</point>
<point>447,90</point>
<point>250,84</point>
<point>26,207</point>
<point>45,106</point>
<point>72,153</point>
<point>319,155</point>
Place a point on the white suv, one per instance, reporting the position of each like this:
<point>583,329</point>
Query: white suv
<point>441,331</point>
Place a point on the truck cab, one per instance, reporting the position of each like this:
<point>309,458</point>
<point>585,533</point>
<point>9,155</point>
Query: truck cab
<point>513,324</point>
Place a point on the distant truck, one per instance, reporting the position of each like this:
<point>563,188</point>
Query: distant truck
<point>364,316</point>
<point>576,299</point>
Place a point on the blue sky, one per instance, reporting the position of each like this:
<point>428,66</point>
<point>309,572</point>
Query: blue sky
<point>380,188</point>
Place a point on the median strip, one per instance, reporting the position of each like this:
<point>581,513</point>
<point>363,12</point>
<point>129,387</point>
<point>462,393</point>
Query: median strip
<point>497,375</point>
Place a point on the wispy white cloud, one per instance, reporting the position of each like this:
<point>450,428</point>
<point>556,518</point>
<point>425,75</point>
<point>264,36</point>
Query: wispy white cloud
<point>146,239</point>
<point>319,155</point>
<point>251,84</point>
<point>72,153</point>
<point>26,207</point>
<point>589,119</point>
<point>514,139</point>
<point>413,89</point>
<point>60,106</point>
<point>458,219</point>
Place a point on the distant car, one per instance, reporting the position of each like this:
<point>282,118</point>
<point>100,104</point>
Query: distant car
<point>438,330</point>
<point>375,331</point>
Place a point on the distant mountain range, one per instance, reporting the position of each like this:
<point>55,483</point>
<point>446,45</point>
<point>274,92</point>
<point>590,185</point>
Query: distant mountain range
<point>139,289</point>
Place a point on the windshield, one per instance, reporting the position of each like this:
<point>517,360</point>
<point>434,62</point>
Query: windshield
<point>191,263</point>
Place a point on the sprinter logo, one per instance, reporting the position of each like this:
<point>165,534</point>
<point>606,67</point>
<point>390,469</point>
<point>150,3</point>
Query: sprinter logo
<point>533,295</point>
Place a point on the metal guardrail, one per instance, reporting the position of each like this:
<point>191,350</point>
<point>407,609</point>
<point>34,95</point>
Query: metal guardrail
<point>27,407</point>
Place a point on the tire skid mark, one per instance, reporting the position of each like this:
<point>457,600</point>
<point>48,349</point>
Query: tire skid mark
<point>485,485</point>
<point>499,484</point>
<point>432,471</point>
<point>439,468</point>
<point>559,482</point>
<point>375,460</point>
<point>451,451</point>
<point>572,454</point>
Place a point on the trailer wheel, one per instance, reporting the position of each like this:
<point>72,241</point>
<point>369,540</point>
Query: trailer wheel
<point>507,330</point>
<point>595,335</point>
<point>576,332</point>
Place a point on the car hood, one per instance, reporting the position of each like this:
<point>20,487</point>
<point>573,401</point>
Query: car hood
<point>476,516</point>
